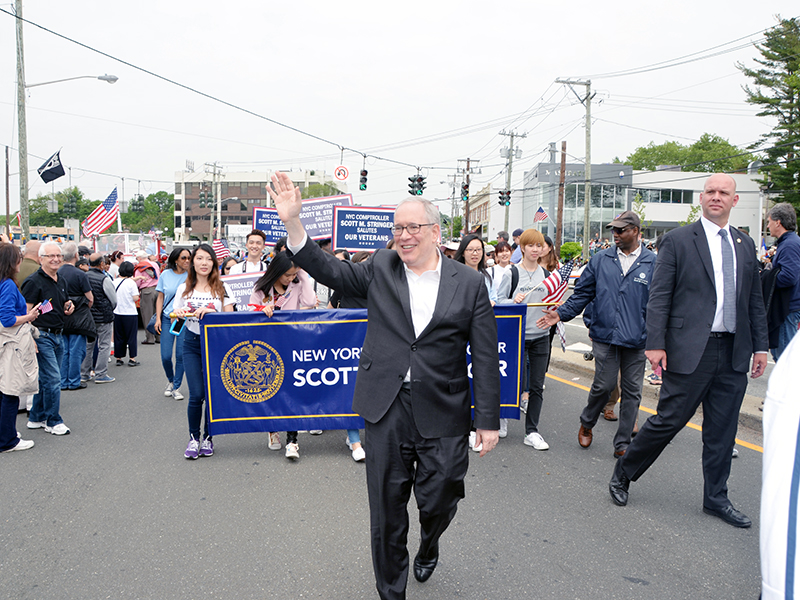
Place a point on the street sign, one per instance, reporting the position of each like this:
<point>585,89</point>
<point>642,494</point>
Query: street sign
<point>362,228</point>
<point>341,173</point>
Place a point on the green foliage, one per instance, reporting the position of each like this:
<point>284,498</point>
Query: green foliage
<point>710,154</point>
<point>159,210</point>
<point>693,215</point>
<point>570,250</point>
<point>638,207</point>
<point>776,91</point>
<point>320,190</point>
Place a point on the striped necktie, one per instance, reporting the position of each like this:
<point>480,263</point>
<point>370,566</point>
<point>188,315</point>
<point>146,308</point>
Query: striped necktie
<point>728,284</point>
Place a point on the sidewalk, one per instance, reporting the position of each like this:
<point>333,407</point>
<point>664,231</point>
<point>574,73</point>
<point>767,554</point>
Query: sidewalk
<point>573,362</point>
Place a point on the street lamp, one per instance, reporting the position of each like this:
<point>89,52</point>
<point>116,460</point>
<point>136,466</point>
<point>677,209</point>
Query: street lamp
<point>24,209</point>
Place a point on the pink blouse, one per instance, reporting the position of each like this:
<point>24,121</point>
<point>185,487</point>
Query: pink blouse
<point>298,295</point>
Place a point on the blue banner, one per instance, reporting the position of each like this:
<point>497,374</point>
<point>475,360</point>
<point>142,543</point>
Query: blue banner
<point>316,216</point>
<point>297,370</point>
<point>362,228</point>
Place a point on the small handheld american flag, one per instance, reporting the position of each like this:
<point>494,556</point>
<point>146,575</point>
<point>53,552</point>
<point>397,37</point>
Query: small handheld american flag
<point>45,307</point>
<point>556,284</point>
<point>220,248</point>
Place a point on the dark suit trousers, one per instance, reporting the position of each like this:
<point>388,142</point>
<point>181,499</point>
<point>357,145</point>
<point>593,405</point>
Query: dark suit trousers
<point>721,390</point>
<point>399,459</point>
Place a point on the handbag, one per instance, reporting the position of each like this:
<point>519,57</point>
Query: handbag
<point>151,325</point>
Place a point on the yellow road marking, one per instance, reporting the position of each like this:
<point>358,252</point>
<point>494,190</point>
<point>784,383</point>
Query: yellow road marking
<point>652,412</point>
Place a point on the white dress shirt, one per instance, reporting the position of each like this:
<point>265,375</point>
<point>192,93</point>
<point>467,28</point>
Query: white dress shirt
<point>423,290</point>
<point>626,260</point>
<point>715,246</point>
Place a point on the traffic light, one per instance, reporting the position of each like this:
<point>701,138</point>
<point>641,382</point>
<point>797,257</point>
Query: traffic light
<point>206,199</point>
<point>505,198</point>
<point>465,191</point>
<point>412,186</point>
<point>417,185</point>
<point>363,184</point>
<point>137,203</point>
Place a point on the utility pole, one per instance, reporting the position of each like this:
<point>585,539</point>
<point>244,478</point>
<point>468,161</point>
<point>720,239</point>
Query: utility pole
<point>453,207</point>
<point>510,157</point>
<point>22,129</point>
<point>560,219</point>
<point>587,186</point>
<point>467,171</point>
<point>215,171</point>
<point>8,201</point>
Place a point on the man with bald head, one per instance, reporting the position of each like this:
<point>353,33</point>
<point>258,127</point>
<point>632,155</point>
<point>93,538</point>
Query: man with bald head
<point>30,262</point>
<point>705,322</point>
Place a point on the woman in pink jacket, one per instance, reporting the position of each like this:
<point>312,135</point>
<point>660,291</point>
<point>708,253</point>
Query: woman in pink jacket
<point>283,286</point>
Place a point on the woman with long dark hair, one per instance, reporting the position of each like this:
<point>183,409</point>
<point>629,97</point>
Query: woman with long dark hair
<point>202,292</point>
<point>171,277</point>
<point>126,319</point>
<point>14,316</point>
<point>283,286</point>
<point>471,253</point>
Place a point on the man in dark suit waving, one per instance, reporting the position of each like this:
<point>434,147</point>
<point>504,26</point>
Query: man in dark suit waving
<point>705,320</point>
<point>412,386</point>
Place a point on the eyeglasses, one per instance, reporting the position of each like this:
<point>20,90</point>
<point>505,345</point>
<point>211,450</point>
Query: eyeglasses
<point>473,250</point>
<point>412,228</point>
<point>52,256</point>
<point>618,230</point>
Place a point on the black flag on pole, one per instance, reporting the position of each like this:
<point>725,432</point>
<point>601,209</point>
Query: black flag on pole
<point>52,168</point>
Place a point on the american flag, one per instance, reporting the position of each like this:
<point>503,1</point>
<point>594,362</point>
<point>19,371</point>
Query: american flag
<point>18,217</point>
<point>45,307</point>
<point>556,284</point>
<point>102,217</point>
<point>220,248</point>
<point>539,215</point>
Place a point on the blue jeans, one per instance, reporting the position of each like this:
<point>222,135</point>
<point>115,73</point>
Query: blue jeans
<point>176,375</point>
<point>194,377</point>
<point>353,436</point>
<point>47,402</point>
<point>786,333</point>
<point>74,353</point>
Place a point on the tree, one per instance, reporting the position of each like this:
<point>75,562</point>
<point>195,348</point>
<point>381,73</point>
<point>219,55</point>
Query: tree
<point>320,190</point>
<point>694,212</point>
<point>638,207</point>
<point>777,91</point>
<point>570,250</point>
<point>710,154</point>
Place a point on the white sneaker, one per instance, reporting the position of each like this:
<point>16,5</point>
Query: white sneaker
<point>37,424</point>
<point>168,390</point>
<point>472,437</point>
<point>503,428</point>
<point>59,429</point>
<point>26,444</point>
<point>274,441</point>
<point>292,450</point>
<point>359,455</point>
<point>177,394</point>
<point>537,441</point>
<point>316,432</point>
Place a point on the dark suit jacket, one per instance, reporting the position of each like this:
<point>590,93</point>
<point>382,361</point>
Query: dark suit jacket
<point>440,392</point>
<point>682,302</point>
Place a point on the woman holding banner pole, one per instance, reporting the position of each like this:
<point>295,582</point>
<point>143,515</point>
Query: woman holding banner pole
<point>283,286</point>
<point>528,288</point>
<point>202,292</point>
<point>174,275</point>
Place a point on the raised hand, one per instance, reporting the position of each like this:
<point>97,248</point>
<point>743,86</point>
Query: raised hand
<point>285,196</point>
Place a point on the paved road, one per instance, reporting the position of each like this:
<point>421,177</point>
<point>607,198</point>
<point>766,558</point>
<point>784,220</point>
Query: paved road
<point>115,511</point>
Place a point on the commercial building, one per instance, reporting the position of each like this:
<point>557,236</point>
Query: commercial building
<point>197,194</point>
<point>666,197</point>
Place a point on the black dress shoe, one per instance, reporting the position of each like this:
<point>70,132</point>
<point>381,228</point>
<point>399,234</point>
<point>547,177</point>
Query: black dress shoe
<point>730,515</point>
<point>423,567</point>
<point>618,486</point>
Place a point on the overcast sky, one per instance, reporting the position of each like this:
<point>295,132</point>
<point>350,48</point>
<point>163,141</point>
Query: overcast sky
<point>422,83</point>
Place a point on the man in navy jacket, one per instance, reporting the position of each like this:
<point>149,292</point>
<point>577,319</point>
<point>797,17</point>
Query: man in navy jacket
<point>782,224</point>
<point>618,281</point>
